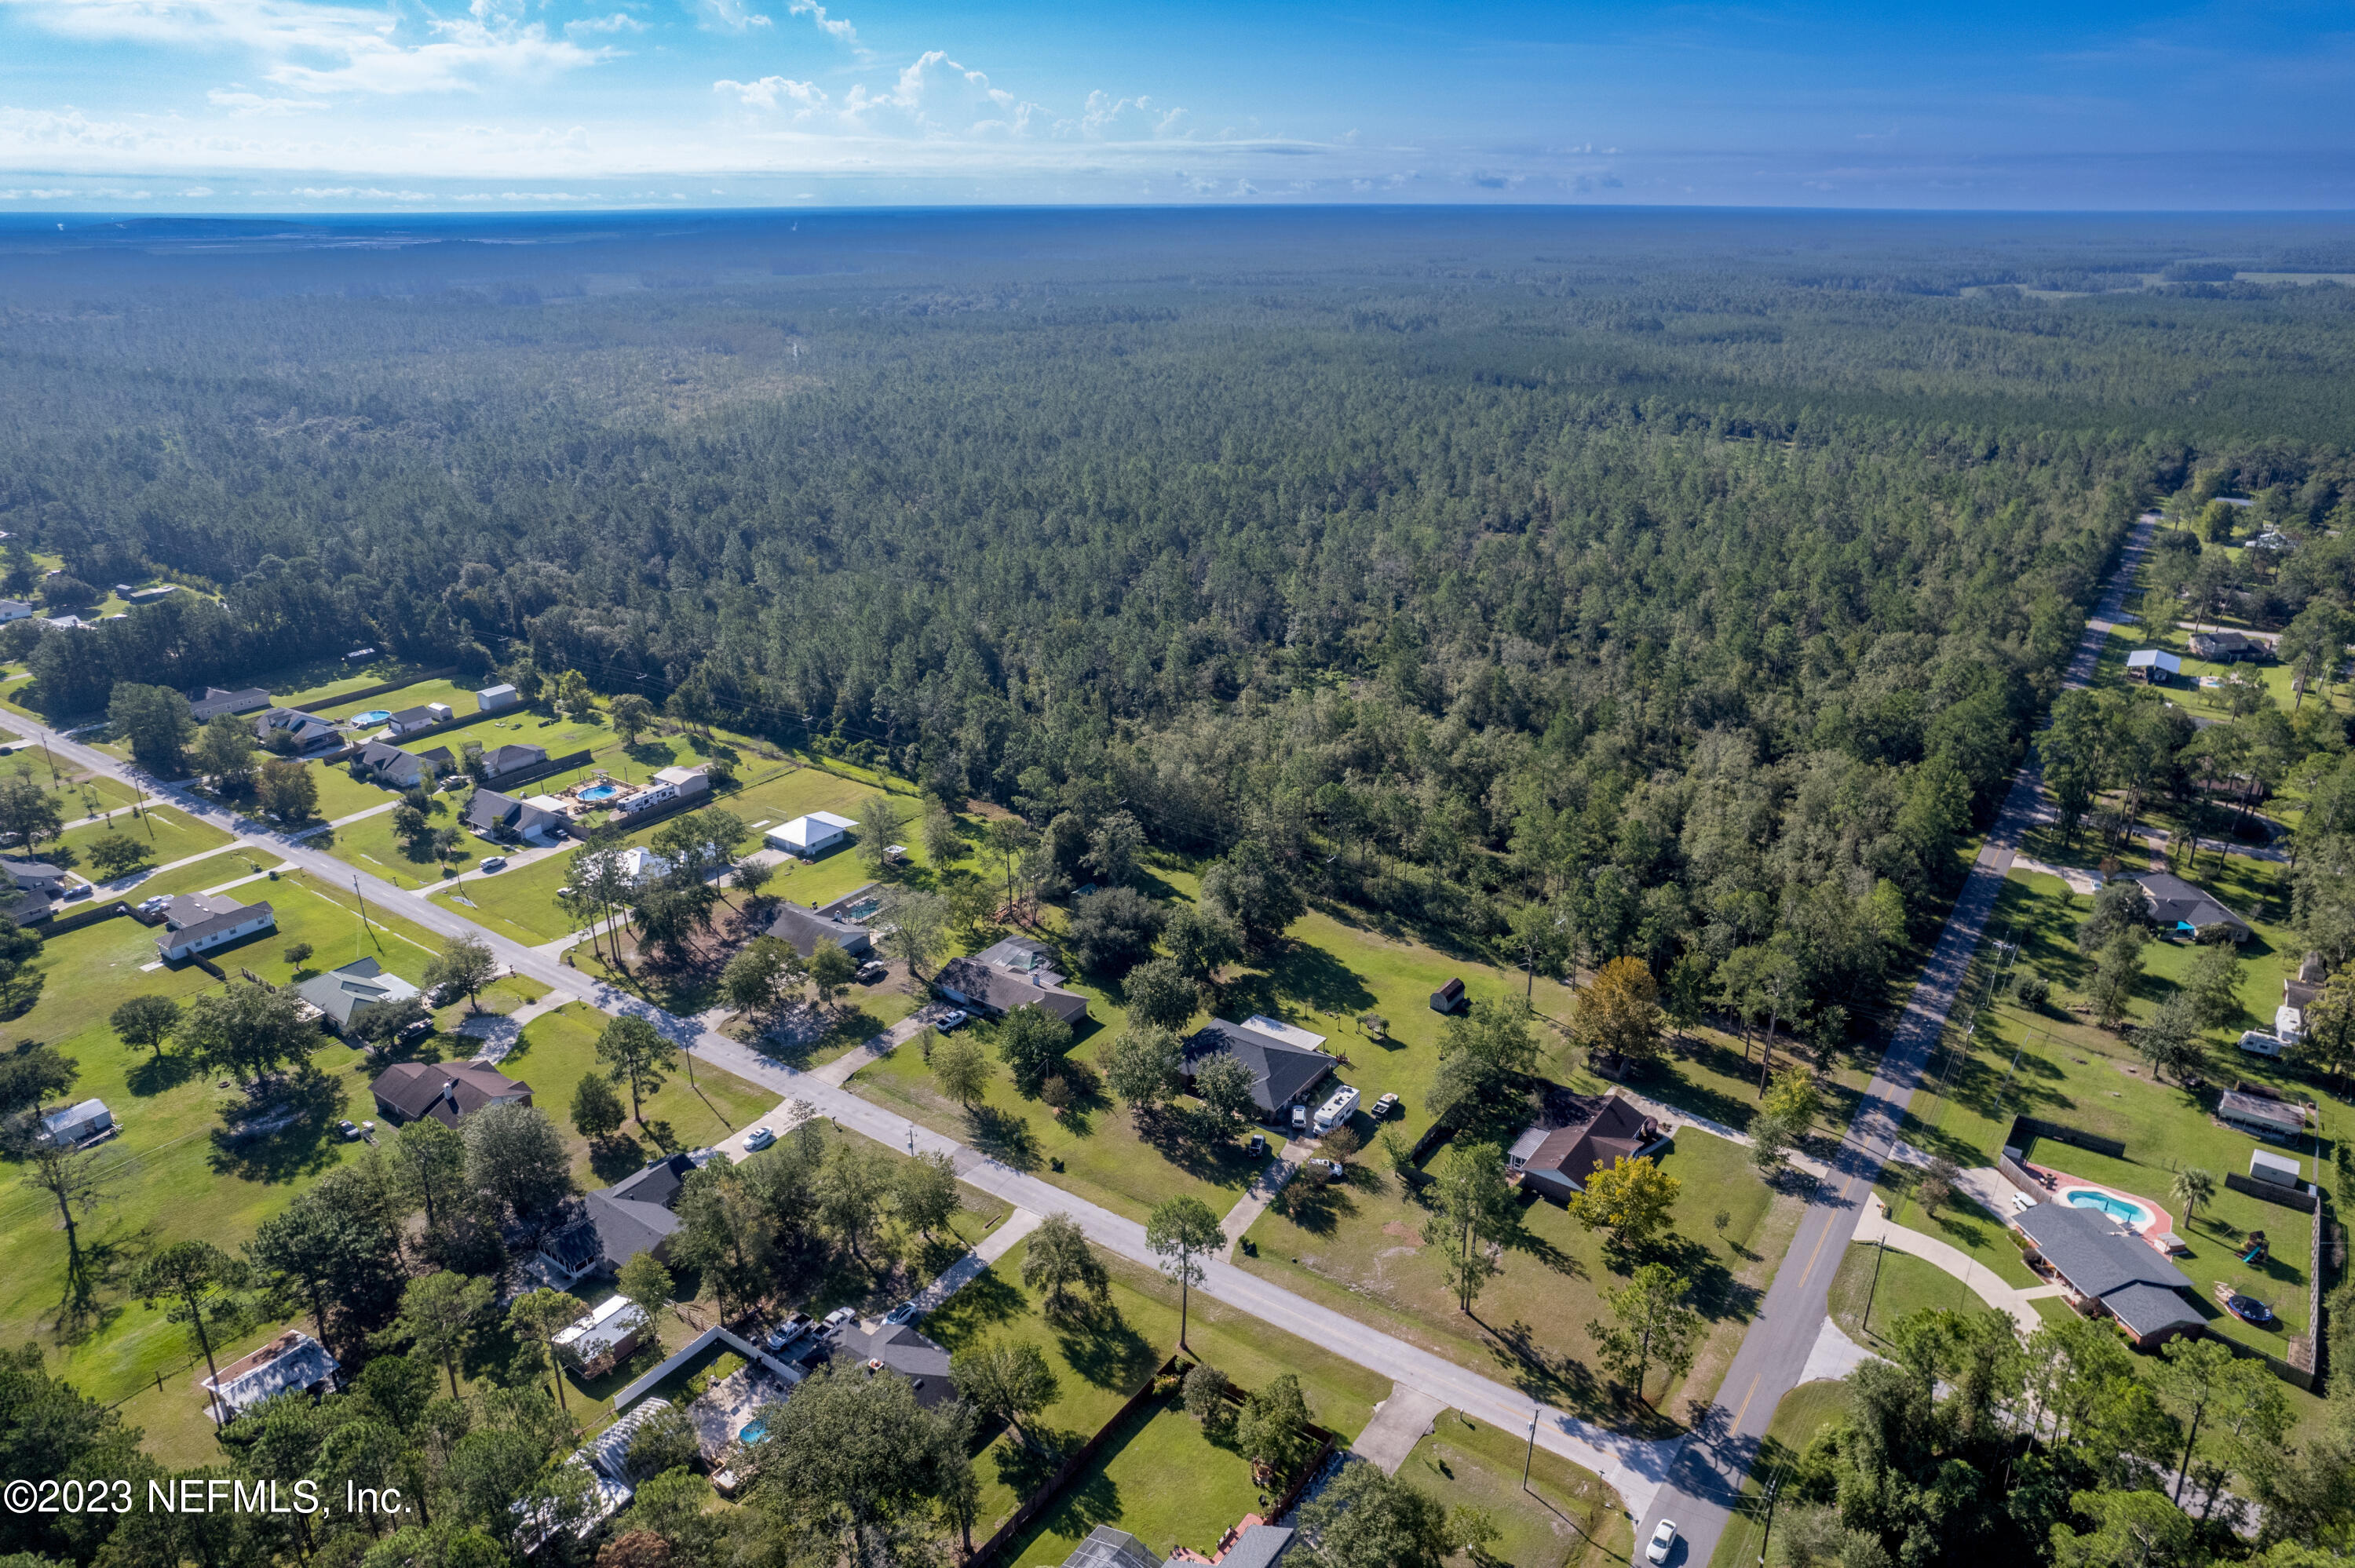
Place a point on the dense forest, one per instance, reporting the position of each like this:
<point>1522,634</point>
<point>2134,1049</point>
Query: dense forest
<point>1688,577</point>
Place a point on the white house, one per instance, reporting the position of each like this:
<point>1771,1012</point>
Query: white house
<point>640,867</point>
<point>77,1124</point>
<point>292,1363</point>
<point>669,786</point>
<point>14,610</point>
<point>193,924</point>
<point>491,699</point>
<point>408,721</point>
<point>810,836</point>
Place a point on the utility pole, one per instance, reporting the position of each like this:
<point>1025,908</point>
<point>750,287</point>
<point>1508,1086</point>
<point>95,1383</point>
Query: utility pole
<point>1531,1458</point>
<point>1773,1488</point>
<point>1881,1245</point>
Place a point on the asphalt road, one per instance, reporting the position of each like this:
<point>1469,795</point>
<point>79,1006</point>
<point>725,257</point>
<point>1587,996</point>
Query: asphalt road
<point>1706,1481</point>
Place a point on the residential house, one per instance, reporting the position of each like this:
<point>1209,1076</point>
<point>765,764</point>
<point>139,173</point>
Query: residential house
<point>1258,1545</point>
<point>35,876</point>
<point>613,1482</point>
<point>14,610</point>
<point>633,1215</point>
<point>293,1363</point>
<point>214,701</point>
<point>2153,667</point>
<point>389,765</point>
<point>298,732</point>
<point>195,924</point>
<point>446,1091</point>
<point>498,816</point>
<point>640,868</point>
<point>410,721</point>
<point>810,836</point>
<point>1285,1068</point>
<point>2260,1116</point>
<point>1010,974</point>
<point>2273,541</point>
<point>1555,1162</point>
<point>2227,646</point>
<point>148,595</point>
<point>595,1344</point>
<point>2107,1270</point>
<point>77,1124</point>
<point>511,761</point>
<point>2180,908</point>
<point>491,699</point>
<point>669,787</point>
<point>344,997</point>
<point>805,928</point>
<point>901,1348</point>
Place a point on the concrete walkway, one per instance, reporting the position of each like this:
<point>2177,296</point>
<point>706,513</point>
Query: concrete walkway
<point>500,1032</point>
<point>1875,1225</point>
<point>1399,1422</point>
<point>838,1072</point>
<point>1835,1355</point>
<point>1674,1119</point>
<point>1261,1193</point>
<point>993,1246</point>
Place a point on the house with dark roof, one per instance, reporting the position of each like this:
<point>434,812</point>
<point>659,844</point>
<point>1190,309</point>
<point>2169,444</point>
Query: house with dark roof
<point>633,1215</point>
<point>1284,1073</point>
<point>408,721</point>
<point>34,876</point>
<point>301,731</point>
<point>346,996</point>
<point>901,1349</point>
<point>446,1091</point>
<point>804,928</point>
<point>1257,1546</point>
<point>293,1363</point>
<point>504,817</point>
<point>2227,646</point>
<point>212,702</point>
<point>1557,1161</point>
<point>2180,908</point>
<point>389,765</point>
<point>987,989</point>
<point>2111,1270</point>
<point>504,761</point>
<point>2259,1117</point>
<point>195,924</point>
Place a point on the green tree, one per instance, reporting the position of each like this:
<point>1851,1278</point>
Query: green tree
<point>1223,1085</point>
<point>1364,1518</point>
<point>646,1282</point>
<point>287,789</point>
<point>1159,993</point>
<point>28,813</point>
<point>155,721</point>
<point>831,970</point>
<point>539,1316</point>
<point>1273,1430</point>
<point>961,1069</point>
<point>1031,1042</point>
<point>867,1462</point>
<point>146,1023</point>
<point>761,976</point>
<point>116,854</point>
<point>635,1053</point>
<point>440,1313</point>
<point>851,1190</point>
<point>597,1110</point>
<point>879,822</point>
<point>1010,1381</point>
<point>2191,1188</point>
<point>2131,1528</point>
<point>2214,986</point>
<point>1632,1201</point>
<point>2170,1041</point>
<point>1617,1013</point>
<point>515,1157</point>
<point>1250,890</point>
<point>1471,1213</point>
<point>1062,1269</point>
<point>466,963</point>
<point>194,1280</point>
<point>1205,1397</point>
<point>2116,972</point>
<point>1200,940</point>
<point>1654,1325</point>
<point>942,843</point>
<point>1142,1067</point>
<point>924,1193</point>
<point>1182,1231</point>
<point>918,925</point>
<point>224,751</point>
<point>632,716</point>
<point>247,1031</point>
<point>425,1166</point>
<point>2192,1374</point>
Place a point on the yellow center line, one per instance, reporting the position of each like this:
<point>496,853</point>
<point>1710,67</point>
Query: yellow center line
<point>1745,1403</point>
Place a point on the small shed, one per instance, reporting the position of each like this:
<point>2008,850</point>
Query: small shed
<point>2278,1168</point>
<point>491,699</point>
<point>1448,998</point>
<point>77,1124</point>
<point>2152,666</point>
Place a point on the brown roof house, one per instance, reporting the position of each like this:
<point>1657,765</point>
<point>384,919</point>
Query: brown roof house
<point>446,1091</point>
<point>1010,974</point>
<point>1556,1162</point>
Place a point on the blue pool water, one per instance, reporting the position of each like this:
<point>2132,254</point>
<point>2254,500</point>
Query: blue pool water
<point>862,909</point>
<point>2117,1209</point>
<point>601,791</point>
<point>755,1433</point>
<point>374,715</point>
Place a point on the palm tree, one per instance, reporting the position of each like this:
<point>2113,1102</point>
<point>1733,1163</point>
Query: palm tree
<point>2191,1188</point>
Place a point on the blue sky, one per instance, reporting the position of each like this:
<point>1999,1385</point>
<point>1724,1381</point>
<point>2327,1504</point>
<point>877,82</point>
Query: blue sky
<point>280,105</point>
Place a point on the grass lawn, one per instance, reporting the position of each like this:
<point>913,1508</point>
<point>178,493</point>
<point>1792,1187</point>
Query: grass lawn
<point>329,919</point>
<point>194,877</point>
<point>459,699</point>
<point>1564,1518</point>
<point>1160,1479</point>
<point>559,1048</point>
<point>1103,1358</point>
<point>167,1181</point>
<point>339,795</point>
<point>1802,1413</point>
<point>2055,1063</point>
<point>1360,1248</point>
<point>1963,1224</point>
<point>370,845</point>
<point>2207,702</point>
<point>1904,1284</point>
<point>165,833</point>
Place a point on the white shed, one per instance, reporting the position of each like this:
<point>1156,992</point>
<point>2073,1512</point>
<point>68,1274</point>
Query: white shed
<point>809,836</point>
<point>77,1124</point>
<point>2279,1169</point>
<point>491,699</point>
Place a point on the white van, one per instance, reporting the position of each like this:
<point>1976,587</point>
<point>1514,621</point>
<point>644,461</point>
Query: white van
<point>1337,1110</point>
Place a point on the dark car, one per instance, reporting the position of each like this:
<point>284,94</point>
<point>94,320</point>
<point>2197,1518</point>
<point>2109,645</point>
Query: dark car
<point>2249,1309</point>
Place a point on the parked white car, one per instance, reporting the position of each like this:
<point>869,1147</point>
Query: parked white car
<point>1664,1539</point>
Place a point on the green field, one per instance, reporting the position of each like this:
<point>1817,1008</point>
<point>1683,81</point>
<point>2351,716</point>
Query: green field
<point>1564,1518</point>
<point>1359,1250</point>
<point>228,865</point>
<point>1891,1284</point>
<point>369,845</point>
<point>460,700</point>
<point>165,833</point>
<point>1804,1412</point>
<point>559,1048</point>
<point>1100,1361</point>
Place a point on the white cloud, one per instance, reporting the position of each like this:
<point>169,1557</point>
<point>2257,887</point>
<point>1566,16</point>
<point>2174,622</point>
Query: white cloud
<point>618,22</point>
<point>729,16</point>
<point>242,103</point>
<point>35,194</point>
<point>771,90</point>
<point>838,28</point>
<point>196,191</point>
<point>356,193</point>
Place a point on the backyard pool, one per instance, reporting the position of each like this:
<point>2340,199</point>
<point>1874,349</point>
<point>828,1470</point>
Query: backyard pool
<point>862,909</point>
<point>754,1431</point>
<point>374,715</point>
<point>601,791</point>
<point>2118,1209</point>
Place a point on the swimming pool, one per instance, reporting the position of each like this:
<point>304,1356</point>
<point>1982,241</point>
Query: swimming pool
<point>601,791</point>
<point>758,1431</point>
<point>862,909</point>
<point>374,715</point>
<point>2118,1209</point>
